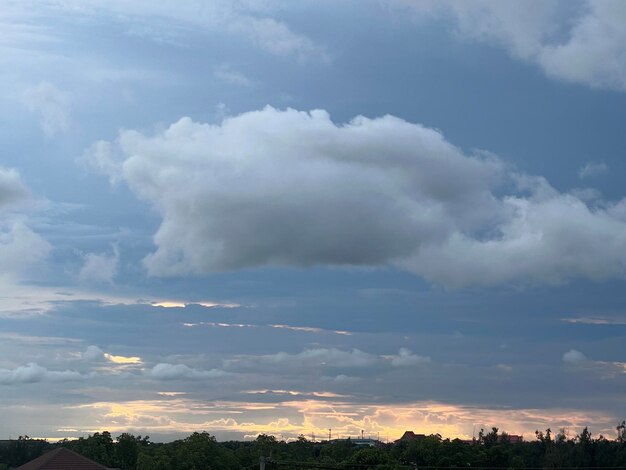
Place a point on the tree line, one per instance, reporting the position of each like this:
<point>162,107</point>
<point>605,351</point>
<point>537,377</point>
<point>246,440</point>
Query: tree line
<point>201,451</point>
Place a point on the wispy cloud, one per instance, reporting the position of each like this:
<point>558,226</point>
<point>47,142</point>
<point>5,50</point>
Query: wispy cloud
<point>165,23</point>
<point>310,329</point>
<point>39,340</point>
<point>592,169</point>
<point>596,320</point>
<point>226,74</point>
<point>51,105</point>
<point>303,329</point>
<point>183,304</point>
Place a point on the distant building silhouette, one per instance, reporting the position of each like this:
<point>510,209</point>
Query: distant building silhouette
<point>358,441</point>
<point>411,436</point>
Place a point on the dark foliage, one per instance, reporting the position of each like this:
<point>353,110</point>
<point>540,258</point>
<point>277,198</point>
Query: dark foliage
<point>201,451</point>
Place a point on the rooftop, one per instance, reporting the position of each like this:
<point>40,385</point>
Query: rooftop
<point>62,459</point>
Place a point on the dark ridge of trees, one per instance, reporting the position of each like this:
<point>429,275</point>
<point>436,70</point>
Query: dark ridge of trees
<point>15,452</point>
<point>201,451</point>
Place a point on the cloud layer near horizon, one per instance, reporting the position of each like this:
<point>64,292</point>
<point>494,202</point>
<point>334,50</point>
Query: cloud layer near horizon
<point>33,372</point>
<point>292,188</point>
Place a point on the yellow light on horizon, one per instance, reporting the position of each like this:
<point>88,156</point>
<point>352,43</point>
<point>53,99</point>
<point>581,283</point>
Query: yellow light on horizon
<point>123,359</point>
<point>169,304</point>
<point>203,303</point>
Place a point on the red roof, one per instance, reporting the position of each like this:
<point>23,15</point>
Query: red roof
<point>61,459</point>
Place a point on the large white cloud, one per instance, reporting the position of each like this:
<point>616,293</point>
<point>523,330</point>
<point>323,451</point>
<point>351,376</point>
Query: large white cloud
<point>580,42</point>
<point>293,188</point>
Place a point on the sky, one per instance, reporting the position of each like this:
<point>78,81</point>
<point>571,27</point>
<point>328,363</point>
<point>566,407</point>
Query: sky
<point>285,217</point>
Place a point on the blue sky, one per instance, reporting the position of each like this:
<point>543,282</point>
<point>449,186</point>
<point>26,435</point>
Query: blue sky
<point>267,216</point>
